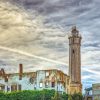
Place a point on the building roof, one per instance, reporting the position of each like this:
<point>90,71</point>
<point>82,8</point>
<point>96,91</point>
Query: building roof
<point>37,71</point>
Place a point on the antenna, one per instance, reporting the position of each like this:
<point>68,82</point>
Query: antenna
<point>75,20</point>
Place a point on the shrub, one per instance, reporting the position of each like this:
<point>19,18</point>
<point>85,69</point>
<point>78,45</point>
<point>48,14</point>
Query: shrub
<point>77,96</point>
<point>38,95</point>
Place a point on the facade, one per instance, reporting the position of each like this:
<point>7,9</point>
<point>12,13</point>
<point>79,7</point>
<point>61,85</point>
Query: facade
<point>96,91</point>
<point>93,93</point>
<point>41,79</point>
<point>88,94</point>
<point>49,79</point>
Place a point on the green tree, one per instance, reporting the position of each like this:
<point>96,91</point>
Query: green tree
<point>70,97</point>
<point>38,95</point>
<point>77,96</point>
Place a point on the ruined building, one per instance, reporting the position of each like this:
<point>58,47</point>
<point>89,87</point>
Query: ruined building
<point>49,79</point>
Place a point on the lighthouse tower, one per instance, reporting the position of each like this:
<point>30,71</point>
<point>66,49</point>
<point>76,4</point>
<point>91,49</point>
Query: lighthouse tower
<point>75,61</point>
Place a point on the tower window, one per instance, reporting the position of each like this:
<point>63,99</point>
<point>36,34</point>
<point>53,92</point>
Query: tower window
<point>73,51</point>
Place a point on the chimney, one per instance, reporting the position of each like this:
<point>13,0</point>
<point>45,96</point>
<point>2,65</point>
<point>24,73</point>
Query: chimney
<point>3,74</point>
<point>20,71</point>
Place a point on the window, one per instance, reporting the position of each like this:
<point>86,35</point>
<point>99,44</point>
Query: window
<point>8,88</point>
<point>64,85</point>
<point>53,84</point>
<point>73,51</point>
<point>2,88</point>
<point>6,79</point>
<point>68,81</point>
<point>31,80</point>
<point>35,86</point>
<point>61,87</point>
<point>47,73</point>
<point>53,79</point>
<point>41,84</point>
<point>19,87</point>
<point>46,84</point>
<point>13,87</point>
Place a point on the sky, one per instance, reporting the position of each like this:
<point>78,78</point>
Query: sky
<point>35,33</point>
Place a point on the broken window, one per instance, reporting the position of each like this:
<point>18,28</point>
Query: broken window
<point>19,87</point>
<point>13,87</point>
<point>41,84</point>
<point>2,87</point>
<point>53,84</point>
<point>47,73</point>
<point>46,84</point>
<point>8,88</point>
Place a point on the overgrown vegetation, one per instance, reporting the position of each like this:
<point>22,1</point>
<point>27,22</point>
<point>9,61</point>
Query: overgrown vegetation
<point>38,95</point>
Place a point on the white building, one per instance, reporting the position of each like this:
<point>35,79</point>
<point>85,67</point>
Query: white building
<point>41,79</point>
<point>96,91</point>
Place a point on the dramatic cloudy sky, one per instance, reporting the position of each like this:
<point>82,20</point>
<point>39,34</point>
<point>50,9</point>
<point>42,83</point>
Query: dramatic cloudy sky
<point>35,33</point>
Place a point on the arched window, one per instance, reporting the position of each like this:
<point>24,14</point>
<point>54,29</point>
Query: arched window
<point>52,84</point>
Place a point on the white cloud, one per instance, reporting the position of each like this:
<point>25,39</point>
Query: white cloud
<point>39,27</point>
<point>25,38</point>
